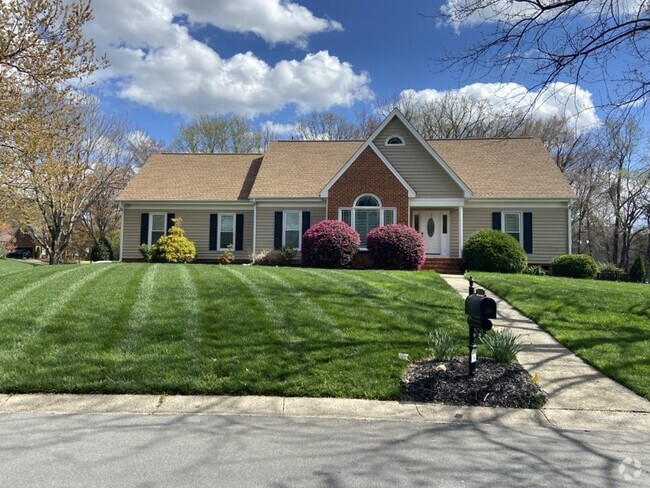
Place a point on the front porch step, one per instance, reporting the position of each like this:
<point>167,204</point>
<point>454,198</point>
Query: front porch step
<point>444,265</point>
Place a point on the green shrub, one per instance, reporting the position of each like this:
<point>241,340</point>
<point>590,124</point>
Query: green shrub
<point>574,266</point>
<point>37,252</point>
<point>441,344</point>
<point>329,244</point>
<point>396,246</point>
<point>146,252</point>
<point>610,272</point>
<point>173,247</point>
<point>274,257</point>
<point>637,271</point>
<point>503,345</point>
<point>101,250</point>
<point>534,271</point>
<point>493,250</point>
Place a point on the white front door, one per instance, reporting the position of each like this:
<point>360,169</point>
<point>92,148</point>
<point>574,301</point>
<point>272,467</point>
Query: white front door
<point>434,227</point>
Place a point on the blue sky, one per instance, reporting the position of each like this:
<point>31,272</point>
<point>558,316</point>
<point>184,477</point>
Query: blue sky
<point>273,59</point>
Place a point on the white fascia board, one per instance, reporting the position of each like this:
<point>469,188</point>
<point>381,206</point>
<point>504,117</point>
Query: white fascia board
<point>297,202</point>
<point>436,202</point>
<point>325,191</point>
<point>517,202</point>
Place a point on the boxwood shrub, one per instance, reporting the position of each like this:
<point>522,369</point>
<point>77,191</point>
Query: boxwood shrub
<point>329,244</point>
<point>396,246</point>
<point>493,250</point>
<point>574,266</point>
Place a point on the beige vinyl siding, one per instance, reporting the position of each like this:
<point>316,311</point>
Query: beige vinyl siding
<point>416,165</point>
<point>196,224</point>
<point>266,222</point>
<point>453,233</point>
<point>549,229</point>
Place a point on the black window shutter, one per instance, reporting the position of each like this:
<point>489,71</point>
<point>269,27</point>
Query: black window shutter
<point>277,232</point>
<point>239,232</point>
<point>528,232</point>
<point>306,221</point>
<point>213,231</point>
<point>170,217</point>
<point>144,228</point>
<point>496,220</point>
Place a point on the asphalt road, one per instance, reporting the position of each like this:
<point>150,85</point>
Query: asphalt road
<point>237,451</point>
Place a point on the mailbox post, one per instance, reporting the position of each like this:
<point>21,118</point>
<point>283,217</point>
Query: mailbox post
<point>479,309</point>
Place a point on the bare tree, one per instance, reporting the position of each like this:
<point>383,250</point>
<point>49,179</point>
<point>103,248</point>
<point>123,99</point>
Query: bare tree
<point>558,40</point>
<point>325,126</point>
<point>219,134</point>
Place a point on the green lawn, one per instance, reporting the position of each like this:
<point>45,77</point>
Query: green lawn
<point>605,323</point>
<point>142,328</point>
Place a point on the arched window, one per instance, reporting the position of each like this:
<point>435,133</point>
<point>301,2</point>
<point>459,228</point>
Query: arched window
<point>366,214</point>
<point>394,141</point>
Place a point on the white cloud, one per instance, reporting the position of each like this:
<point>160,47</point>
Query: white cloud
<point>156,62</point>
<point>273,20</point>
<point>277,129</point>
<point>558,99</point>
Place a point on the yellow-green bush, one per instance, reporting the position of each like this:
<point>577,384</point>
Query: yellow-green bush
<point>173,247</point>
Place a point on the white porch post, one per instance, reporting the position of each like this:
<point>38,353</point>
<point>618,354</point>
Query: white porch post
<point>254,227</point>
<point>121,207</point>
<point>460,232</point>
<point>570,230</point>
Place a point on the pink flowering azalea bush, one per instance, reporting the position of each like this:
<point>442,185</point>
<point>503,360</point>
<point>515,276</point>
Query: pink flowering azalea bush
<point>396,246</point>
<point>329,244</point>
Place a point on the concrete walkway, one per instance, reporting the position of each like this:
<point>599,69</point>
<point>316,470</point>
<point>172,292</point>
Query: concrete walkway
<point>572,385</point>
<point>580,397</point>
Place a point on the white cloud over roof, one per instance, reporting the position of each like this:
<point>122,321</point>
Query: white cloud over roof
<point>156,61</point>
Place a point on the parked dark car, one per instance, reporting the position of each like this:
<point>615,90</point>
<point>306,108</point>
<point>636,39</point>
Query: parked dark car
<point>19,254</point>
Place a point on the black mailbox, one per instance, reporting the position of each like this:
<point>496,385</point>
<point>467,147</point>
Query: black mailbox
<point>480,307</point>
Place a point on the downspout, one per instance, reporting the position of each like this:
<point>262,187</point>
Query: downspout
<point>121,207</point>
<point>460,232</point>
<point>570,229</point>
<point>254,230</point>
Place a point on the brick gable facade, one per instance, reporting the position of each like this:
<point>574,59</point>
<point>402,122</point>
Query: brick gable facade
<point>368,174</point>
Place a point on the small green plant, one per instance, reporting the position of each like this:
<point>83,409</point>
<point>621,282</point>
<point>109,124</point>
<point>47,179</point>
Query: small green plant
<point>227,257</point>
<point>441,344</point>
<point>493,250</point>
<point>146,252</point>
<point>574,266</point>
<point>288,253</point>
<point>503,345</point>
<point>637,271</point>
<point>101,250</point>
<point>534,271</point>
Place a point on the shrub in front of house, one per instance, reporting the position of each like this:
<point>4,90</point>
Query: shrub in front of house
<point>329,244</point>
<point>574,266</point>
<point>274,257</point>
<point>101,250</point>
<point>493,250</point>
<point>396,246</point>
<point>173,247</point>
<point>637,271</point>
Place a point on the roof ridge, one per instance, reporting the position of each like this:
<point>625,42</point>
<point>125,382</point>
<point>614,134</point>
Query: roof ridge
<point>505,138</point>
<point>209,153</point>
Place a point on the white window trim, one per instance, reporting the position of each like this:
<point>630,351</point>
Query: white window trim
<point>521,224</point>
<point>284,228</point>
<point>394,136</point>
<point>151,214</point>
<point>355,207</point>
<point>234,231</point>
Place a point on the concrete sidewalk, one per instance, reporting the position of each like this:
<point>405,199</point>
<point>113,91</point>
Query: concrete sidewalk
<point>572,385</point>
<point>580,397</point>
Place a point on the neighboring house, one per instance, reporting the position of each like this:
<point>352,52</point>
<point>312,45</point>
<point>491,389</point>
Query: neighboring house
<point>446,189</point>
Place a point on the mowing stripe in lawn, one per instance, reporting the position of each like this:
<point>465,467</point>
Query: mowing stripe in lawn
<point>191,301</point>
<point>12,299</point>
<point>273,315</point>
<point>141,310</point>
<point>305,302</point>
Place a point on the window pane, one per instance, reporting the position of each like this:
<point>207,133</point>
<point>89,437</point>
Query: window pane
<point>514,234</point>
<point>511,222</point>
<point>367,201</point>
<point>389,216</point>
<point>226,239</point>
<point>227,223</point>
<point>292,239</point>
<point>346,216</point>
<point>365,221</point>
<point>292,221</point>
<point>155,236</point>
<point>158,222</point>
<point>444,223</point>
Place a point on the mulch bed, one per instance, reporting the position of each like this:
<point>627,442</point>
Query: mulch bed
<point>493,384</point>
